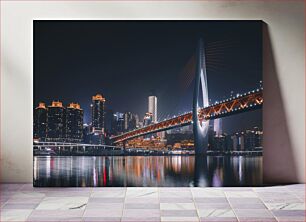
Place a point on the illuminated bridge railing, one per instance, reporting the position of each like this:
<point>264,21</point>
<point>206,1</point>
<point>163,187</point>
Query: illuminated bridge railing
<point>241,103</point>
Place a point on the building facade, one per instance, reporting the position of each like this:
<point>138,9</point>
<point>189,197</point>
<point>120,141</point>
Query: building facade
<point>74,123</point>
<point>129,121</point>
<point>118,123</point>
<point>56,127</point>
<point>148,119</point>
<point>97,113</point>
<point>218,126</point>
<point>40,122</point>
<point>109,122</point>
<point>152,107</point>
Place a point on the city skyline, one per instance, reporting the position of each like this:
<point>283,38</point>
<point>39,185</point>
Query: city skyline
<point>185,95</point>
<point>65,124</point>
<point>151,101</point>
<point>79,64</point>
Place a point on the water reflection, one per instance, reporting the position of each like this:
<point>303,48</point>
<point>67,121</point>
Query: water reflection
<point>169,171</point>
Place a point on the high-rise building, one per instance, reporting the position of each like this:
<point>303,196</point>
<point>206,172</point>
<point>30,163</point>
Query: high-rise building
<point>259,140</point>
<point>137,121</point>
<point>127,116</point>
<point>132,122</point>
<point>258,137</point>
<point>74,123</point>
<point>40,122</point>
<point>97,113</point>
<point>148,118</point>
<point>109,122</point>
<point>219,143</point>
<point>119,122</point>
<point>241,142</point>
<point>228,142</point>
<point>56,122</point>
<point>152,107</point>
<point>86,133</point>
<point>129,121</point>
<point>250,139</point>
<point>253,139</point>
<point>218,127</point>
<point>211,137</point>
<point>235,139</point>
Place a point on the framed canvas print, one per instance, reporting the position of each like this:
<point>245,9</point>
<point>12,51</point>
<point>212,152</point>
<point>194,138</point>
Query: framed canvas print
<point>147,103</point>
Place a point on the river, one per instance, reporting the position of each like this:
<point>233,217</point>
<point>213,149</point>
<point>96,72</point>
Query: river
<point>162,171</point>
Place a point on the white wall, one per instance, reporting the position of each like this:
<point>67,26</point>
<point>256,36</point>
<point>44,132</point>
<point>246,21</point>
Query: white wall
<point>284,109</point>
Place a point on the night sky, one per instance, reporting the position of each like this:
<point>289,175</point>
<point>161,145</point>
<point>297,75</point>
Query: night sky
<point>126,60</point>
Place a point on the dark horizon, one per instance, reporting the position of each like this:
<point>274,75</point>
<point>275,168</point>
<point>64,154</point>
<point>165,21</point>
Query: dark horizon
<point>126,60</point>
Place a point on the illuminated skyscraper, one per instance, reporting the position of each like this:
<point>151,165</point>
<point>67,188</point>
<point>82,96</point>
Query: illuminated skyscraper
<point>74,123</point>
<point>109,122</point>
<point>86,133</point>
<point>129,121</point>
<point>97,113</point>
<point>127,116</point>
<point>56,122</point>
<point>152,107</point>
<point>252,139</point>
<point>137,120</point>
<point>147,120</point>
<point>119,122</point>
<point>241,142</point>
<point>40,122</point>
<point>235,139</point>
<point>218,127</point>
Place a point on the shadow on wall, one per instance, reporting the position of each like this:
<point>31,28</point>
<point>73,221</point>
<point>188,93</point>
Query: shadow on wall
<point>279,165</point>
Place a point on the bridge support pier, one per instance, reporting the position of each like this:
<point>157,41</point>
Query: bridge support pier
<point>200,128</point>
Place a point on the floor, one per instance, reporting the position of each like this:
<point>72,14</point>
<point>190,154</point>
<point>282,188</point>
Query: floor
<point>22,202</point>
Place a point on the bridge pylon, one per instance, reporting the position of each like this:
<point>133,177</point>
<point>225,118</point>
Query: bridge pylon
<point>200,128</point>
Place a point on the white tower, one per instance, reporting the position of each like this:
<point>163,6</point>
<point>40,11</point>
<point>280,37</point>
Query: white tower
<point>218,127</point>
<point>152,107</point>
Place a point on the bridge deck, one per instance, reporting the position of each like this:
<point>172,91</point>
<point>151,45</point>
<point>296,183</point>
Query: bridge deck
<point>241,103</point>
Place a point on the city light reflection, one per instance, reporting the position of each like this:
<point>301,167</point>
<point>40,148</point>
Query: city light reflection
<point>147,171</point>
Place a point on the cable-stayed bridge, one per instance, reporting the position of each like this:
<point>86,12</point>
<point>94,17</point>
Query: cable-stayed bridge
<point>199,116</point>
<point>242,103</point>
